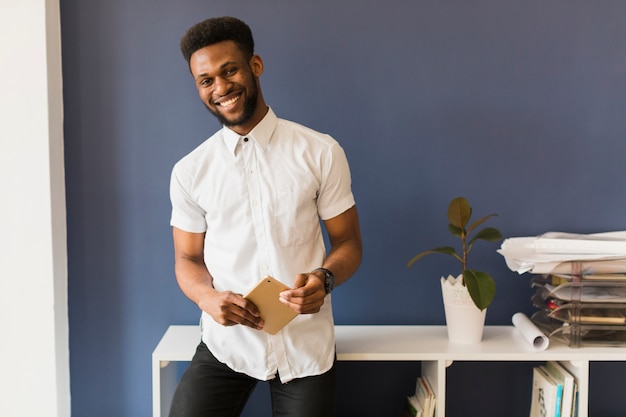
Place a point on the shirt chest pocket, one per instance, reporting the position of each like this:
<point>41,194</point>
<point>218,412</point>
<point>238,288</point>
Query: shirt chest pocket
<point>294,216</point>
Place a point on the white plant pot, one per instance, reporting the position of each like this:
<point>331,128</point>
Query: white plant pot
<point>464,321</point>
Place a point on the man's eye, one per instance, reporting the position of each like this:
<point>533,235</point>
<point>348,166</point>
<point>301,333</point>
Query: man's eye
<point>206,82</point>
<point>230,71</point>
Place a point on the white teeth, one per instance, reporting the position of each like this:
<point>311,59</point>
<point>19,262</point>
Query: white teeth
<point>229,102</point>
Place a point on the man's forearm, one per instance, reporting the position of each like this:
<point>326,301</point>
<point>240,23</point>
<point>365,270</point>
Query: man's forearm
<point>344,260</point>
<point>193,279</point>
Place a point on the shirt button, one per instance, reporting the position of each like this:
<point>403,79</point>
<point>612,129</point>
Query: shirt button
<point>245,139</point>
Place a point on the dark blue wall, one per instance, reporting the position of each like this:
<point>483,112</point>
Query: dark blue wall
<point>518,106</point>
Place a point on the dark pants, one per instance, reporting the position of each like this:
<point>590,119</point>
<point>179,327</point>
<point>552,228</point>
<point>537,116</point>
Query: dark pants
<point>208,388</point>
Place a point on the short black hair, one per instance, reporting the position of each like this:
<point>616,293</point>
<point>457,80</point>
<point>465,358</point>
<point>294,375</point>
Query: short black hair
<point>215,30</point>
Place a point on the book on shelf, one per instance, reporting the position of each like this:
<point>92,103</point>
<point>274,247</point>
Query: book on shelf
<point>547,394</point>
<point>426,396</point>
<point>567,380</point>
<point>575,407</point>
<point>412,407</point>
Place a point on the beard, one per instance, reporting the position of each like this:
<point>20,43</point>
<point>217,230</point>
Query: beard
<point>249,108</point>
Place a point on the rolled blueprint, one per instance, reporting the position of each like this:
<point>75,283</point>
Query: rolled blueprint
<point>530,332</point>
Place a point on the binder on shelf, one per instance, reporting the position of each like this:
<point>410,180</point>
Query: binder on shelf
<point>412,407</point>
<point>547,394</point>
<point>426,394</point>
<point>562,376</point>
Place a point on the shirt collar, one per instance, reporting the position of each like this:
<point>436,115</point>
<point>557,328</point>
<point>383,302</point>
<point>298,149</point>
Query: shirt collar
<point>261,133</point>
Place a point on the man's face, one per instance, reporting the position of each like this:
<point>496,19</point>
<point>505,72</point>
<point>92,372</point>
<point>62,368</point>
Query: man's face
<point>228,84</point>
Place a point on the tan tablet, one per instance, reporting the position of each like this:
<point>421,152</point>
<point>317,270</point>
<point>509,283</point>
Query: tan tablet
<point>274,313</point>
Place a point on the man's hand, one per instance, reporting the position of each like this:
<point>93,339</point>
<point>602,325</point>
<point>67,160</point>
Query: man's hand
<point>194,279</point>
<point>229,309</point>
<point>307,295</point>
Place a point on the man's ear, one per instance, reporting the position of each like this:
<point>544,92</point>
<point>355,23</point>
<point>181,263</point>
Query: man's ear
<point>256,64</point>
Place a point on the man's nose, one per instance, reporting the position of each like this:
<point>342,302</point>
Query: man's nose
<point>221,86</point>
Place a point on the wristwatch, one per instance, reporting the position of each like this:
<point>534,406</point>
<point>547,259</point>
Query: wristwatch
<point>329,279</point>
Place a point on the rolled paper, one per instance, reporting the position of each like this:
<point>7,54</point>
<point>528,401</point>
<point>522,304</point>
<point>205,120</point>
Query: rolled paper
<point>530,332</point>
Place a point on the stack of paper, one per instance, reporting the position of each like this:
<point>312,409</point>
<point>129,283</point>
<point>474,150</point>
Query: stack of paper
<point>580,285</point>
<point>554,252</point>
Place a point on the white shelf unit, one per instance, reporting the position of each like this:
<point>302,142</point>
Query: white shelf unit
<point>426,344</point>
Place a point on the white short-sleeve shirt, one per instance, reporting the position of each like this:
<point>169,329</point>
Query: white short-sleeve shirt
<point>259,199</point>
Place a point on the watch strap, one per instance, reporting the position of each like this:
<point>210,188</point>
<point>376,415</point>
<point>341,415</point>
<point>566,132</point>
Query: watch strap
<point>329,279</point>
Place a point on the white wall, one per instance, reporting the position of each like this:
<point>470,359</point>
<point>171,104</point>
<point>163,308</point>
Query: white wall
<point>34,376</point>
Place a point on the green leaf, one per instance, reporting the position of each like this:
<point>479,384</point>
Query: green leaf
<point>479,222</point>
<point>481,287</point>
<point>446,250</point>
<point>459,212</point>
<point>455,230</point>
<point>490,234</point>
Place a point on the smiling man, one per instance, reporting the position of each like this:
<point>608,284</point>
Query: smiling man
<point>246,204</point>
<point>224,75</point>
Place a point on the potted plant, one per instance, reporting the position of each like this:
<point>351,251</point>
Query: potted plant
<point>477,287</point>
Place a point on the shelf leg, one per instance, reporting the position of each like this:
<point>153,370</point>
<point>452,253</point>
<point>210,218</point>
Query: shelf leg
<point>167,385</point>
<point>436,373</point>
